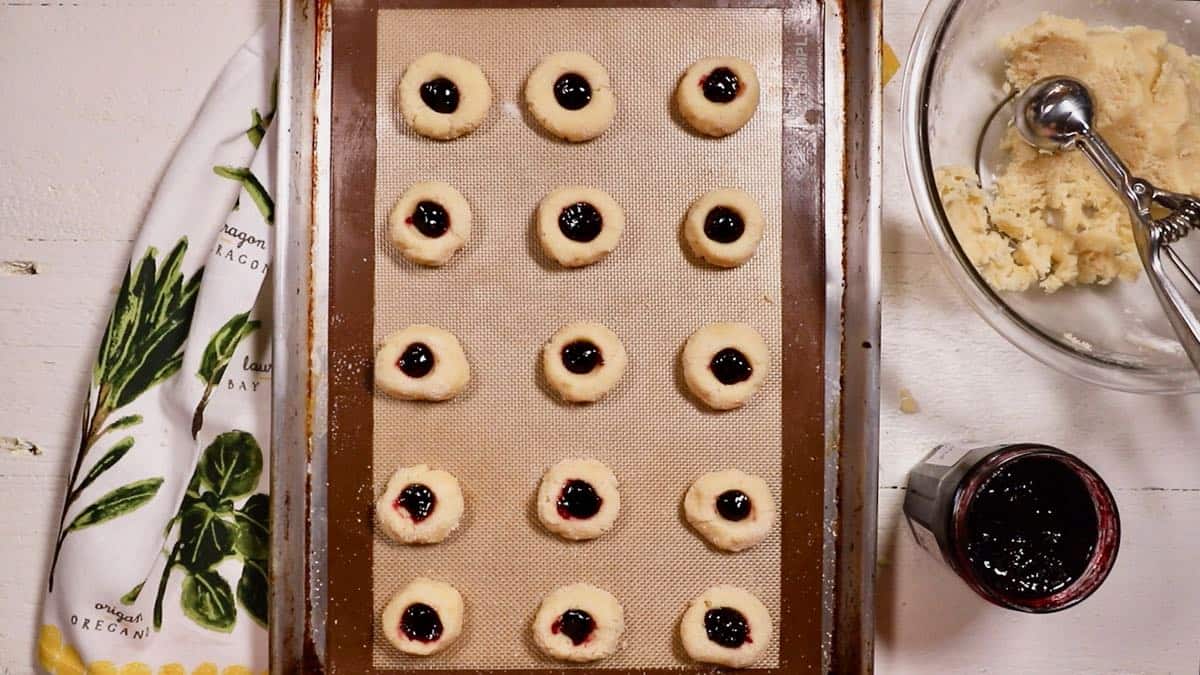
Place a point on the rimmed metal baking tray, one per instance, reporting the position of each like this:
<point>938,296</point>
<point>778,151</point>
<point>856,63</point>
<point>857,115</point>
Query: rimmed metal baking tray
<point>848,59</point>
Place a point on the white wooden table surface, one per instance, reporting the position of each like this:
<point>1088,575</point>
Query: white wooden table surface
<point>95,98</point>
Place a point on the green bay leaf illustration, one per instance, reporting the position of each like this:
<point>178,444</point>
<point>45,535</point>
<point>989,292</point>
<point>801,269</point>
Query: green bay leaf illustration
<point>106,462</point>
<point>142,346</point>
<point>116,503</point>
<point>217,353</point>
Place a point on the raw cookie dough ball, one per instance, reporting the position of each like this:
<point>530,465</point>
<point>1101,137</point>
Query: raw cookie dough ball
<point>579,623</point>
<point>731,509</point>
<point>424,617</point>
<point>430,222</point>
<point>718,95</point>
<point>578,499</point>
<point>725,363</point>
<point>583,361</point>
<point>422,363</point>
<point>579,225</point>
<point>727,626</point>
<point>444,96</point>
<point>723,227</point>
<point>568,93</point>
<point>420,505</point>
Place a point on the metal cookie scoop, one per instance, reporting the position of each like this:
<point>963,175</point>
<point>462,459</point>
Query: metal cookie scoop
<point>1056,114</point>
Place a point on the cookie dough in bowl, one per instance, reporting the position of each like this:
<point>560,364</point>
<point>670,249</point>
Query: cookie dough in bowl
<point>727,626</point>
<point>718,95</point>
<point>1051,220</point>
<point>420,505</point>
<point>723,227</point>
<point>579,623</point>
<point>732,509</point>
<point>569,94</point>
<point>423,618</point>
<point>423,363</point>
<point>578,499</point>
<point>443,96</point>
<point>430,222</point>
<point>724,364</point>
<point>583,361</point>
<point>579,225</point>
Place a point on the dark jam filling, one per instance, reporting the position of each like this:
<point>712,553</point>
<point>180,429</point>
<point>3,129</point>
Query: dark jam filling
<point>430,219</point>
<point>724,225</point>
<point>441,95</point>
<point>578,500</point>
<point>580,222</point>
<point>581,357</point>
<point>1031,528</point>
<point>721,85</point>
<point>421,622</point>
<point>416,361</point>
<point>418,500</point>
<point>730,366</point>
<point>576,624</point>
<point>572,91</point>
<point>727,627</point>
<point>733,505</point>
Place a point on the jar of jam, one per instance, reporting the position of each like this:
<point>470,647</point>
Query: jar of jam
<point>1027,526</point>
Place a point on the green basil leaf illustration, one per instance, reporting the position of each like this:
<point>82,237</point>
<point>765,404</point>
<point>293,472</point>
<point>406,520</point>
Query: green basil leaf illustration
<point>231,464</point>
<point>252,590</point>
<point>116,503</point>
<point>204,536</point>
<point>208,600</point>
<point>254,528</point>
<point>222,345</point>
<point>193,490</point>
<point>111,457</point>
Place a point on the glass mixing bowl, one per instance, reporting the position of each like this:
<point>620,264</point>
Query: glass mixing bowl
<point>1116,335</point>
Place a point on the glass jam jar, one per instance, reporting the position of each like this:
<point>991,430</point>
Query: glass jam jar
<point>1027,526</point>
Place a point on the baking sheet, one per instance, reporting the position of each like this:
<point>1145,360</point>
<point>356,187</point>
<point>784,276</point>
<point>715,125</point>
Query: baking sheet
<point>503,298</point>
<point>325,198</point>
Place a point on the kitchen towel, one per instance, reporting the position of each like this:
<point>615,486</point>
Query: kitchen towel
<point>160,561</point>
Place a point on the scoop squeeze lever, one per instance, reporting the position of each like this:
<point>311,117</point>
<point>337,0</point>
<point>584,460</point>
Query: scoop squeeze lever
<point>1056,114</point>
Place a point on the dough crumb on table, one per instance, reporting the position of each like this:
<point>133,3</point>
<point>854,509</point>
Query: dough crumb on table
<point>1051,219</point>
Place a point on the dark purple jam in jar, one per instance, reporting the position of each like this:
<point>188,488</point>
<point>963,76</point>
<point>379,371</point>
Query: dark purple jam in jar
<point>1029,527</point>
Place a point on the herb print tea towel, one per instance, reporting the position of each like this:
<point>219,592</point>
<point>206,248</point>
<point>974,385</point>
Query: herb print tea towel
<point>160,562</point>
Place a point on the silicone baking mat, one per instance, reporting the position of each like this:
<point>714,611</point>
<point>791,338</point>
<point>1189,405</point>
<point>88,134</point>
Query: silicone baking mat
<point>503,298</point>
